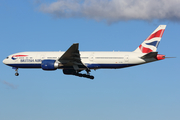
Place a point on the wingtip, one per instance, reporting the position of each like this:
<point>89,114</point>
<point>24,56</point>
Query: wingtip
<point>75,43</point>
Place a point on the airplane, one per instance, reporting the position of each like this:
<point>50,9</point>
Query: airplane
<point>72,61</point>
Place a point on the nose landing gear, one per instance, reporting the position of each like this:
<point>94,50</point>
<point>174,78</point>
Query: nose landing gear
<point>16,74</point>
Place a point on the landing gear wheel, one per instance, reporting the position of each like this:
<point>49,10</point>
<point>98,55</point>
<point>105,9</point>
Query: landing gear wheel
<point>16,74</point>
<point>92,77</point>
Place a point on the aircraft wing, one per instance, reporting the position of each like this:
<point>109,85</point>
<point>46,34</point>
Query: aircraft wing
<point>71,58</point>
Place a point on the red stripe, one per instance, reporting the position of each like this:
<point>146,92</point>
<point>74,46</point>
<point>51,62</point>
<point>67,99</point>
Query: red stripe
<point>156,34</point>
<point>19,55</point>
<point>144,49</point>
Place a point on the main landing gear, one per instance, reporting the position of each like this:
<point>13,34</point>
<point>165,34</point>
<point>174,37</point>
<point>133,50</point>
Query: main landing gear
<point>84,75</point>
<point>77,73</point>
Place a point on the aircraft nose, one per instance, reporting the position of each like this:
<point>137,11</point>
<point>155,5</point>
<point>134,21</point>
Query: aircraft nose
<point>4,61</point>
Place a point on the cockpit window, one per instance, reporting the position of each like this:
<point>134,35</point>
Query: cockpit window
<point>7,57</point>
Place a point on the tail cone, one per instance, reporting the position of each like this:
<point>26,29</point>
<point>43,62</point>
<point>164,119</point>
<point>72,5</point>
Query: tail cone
<point>160,57</point>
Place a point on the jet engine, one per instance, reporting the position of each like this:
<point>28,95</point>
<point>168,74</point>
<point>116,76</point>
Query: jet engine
<point>49,65</point>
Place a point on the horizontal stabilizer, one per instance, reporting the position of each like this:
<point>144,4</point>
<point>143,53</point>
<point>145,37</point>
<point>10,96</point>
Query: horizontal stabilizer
<point>150,55</point>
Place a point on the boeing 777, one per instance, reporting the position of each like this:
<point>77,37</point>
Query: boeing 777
<point>72,62</point>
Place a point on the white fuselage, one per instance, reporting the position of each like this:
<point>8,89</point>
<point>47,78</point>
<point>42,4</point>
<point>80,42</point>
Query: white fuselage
<point>93,60</point>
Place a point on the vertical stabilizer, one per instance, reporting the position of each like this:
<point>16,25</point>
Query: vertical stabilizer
<point>152,42</point>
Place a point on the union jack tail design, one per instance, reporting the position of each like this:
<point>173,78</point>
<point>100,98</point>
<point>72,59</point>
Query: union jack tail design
<point>152,42</point>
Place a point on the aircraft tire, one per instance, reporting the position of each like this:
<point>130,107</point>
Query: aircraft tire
<point>16,74</point>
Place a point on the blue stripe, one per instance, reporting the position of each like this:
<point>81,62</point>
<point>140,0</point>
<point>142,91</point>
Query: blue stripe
<point>25,65</point>
<point>155,43</point>
<point>90,66</point>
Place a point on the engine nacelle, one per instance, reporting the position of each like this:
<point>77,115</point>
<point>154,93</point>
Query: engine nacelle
<point>49,65</point>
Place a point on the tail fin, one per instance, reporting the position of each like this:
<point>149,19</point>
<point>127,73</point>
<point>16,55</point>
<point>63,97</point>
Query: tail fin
<point>152,42</point>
